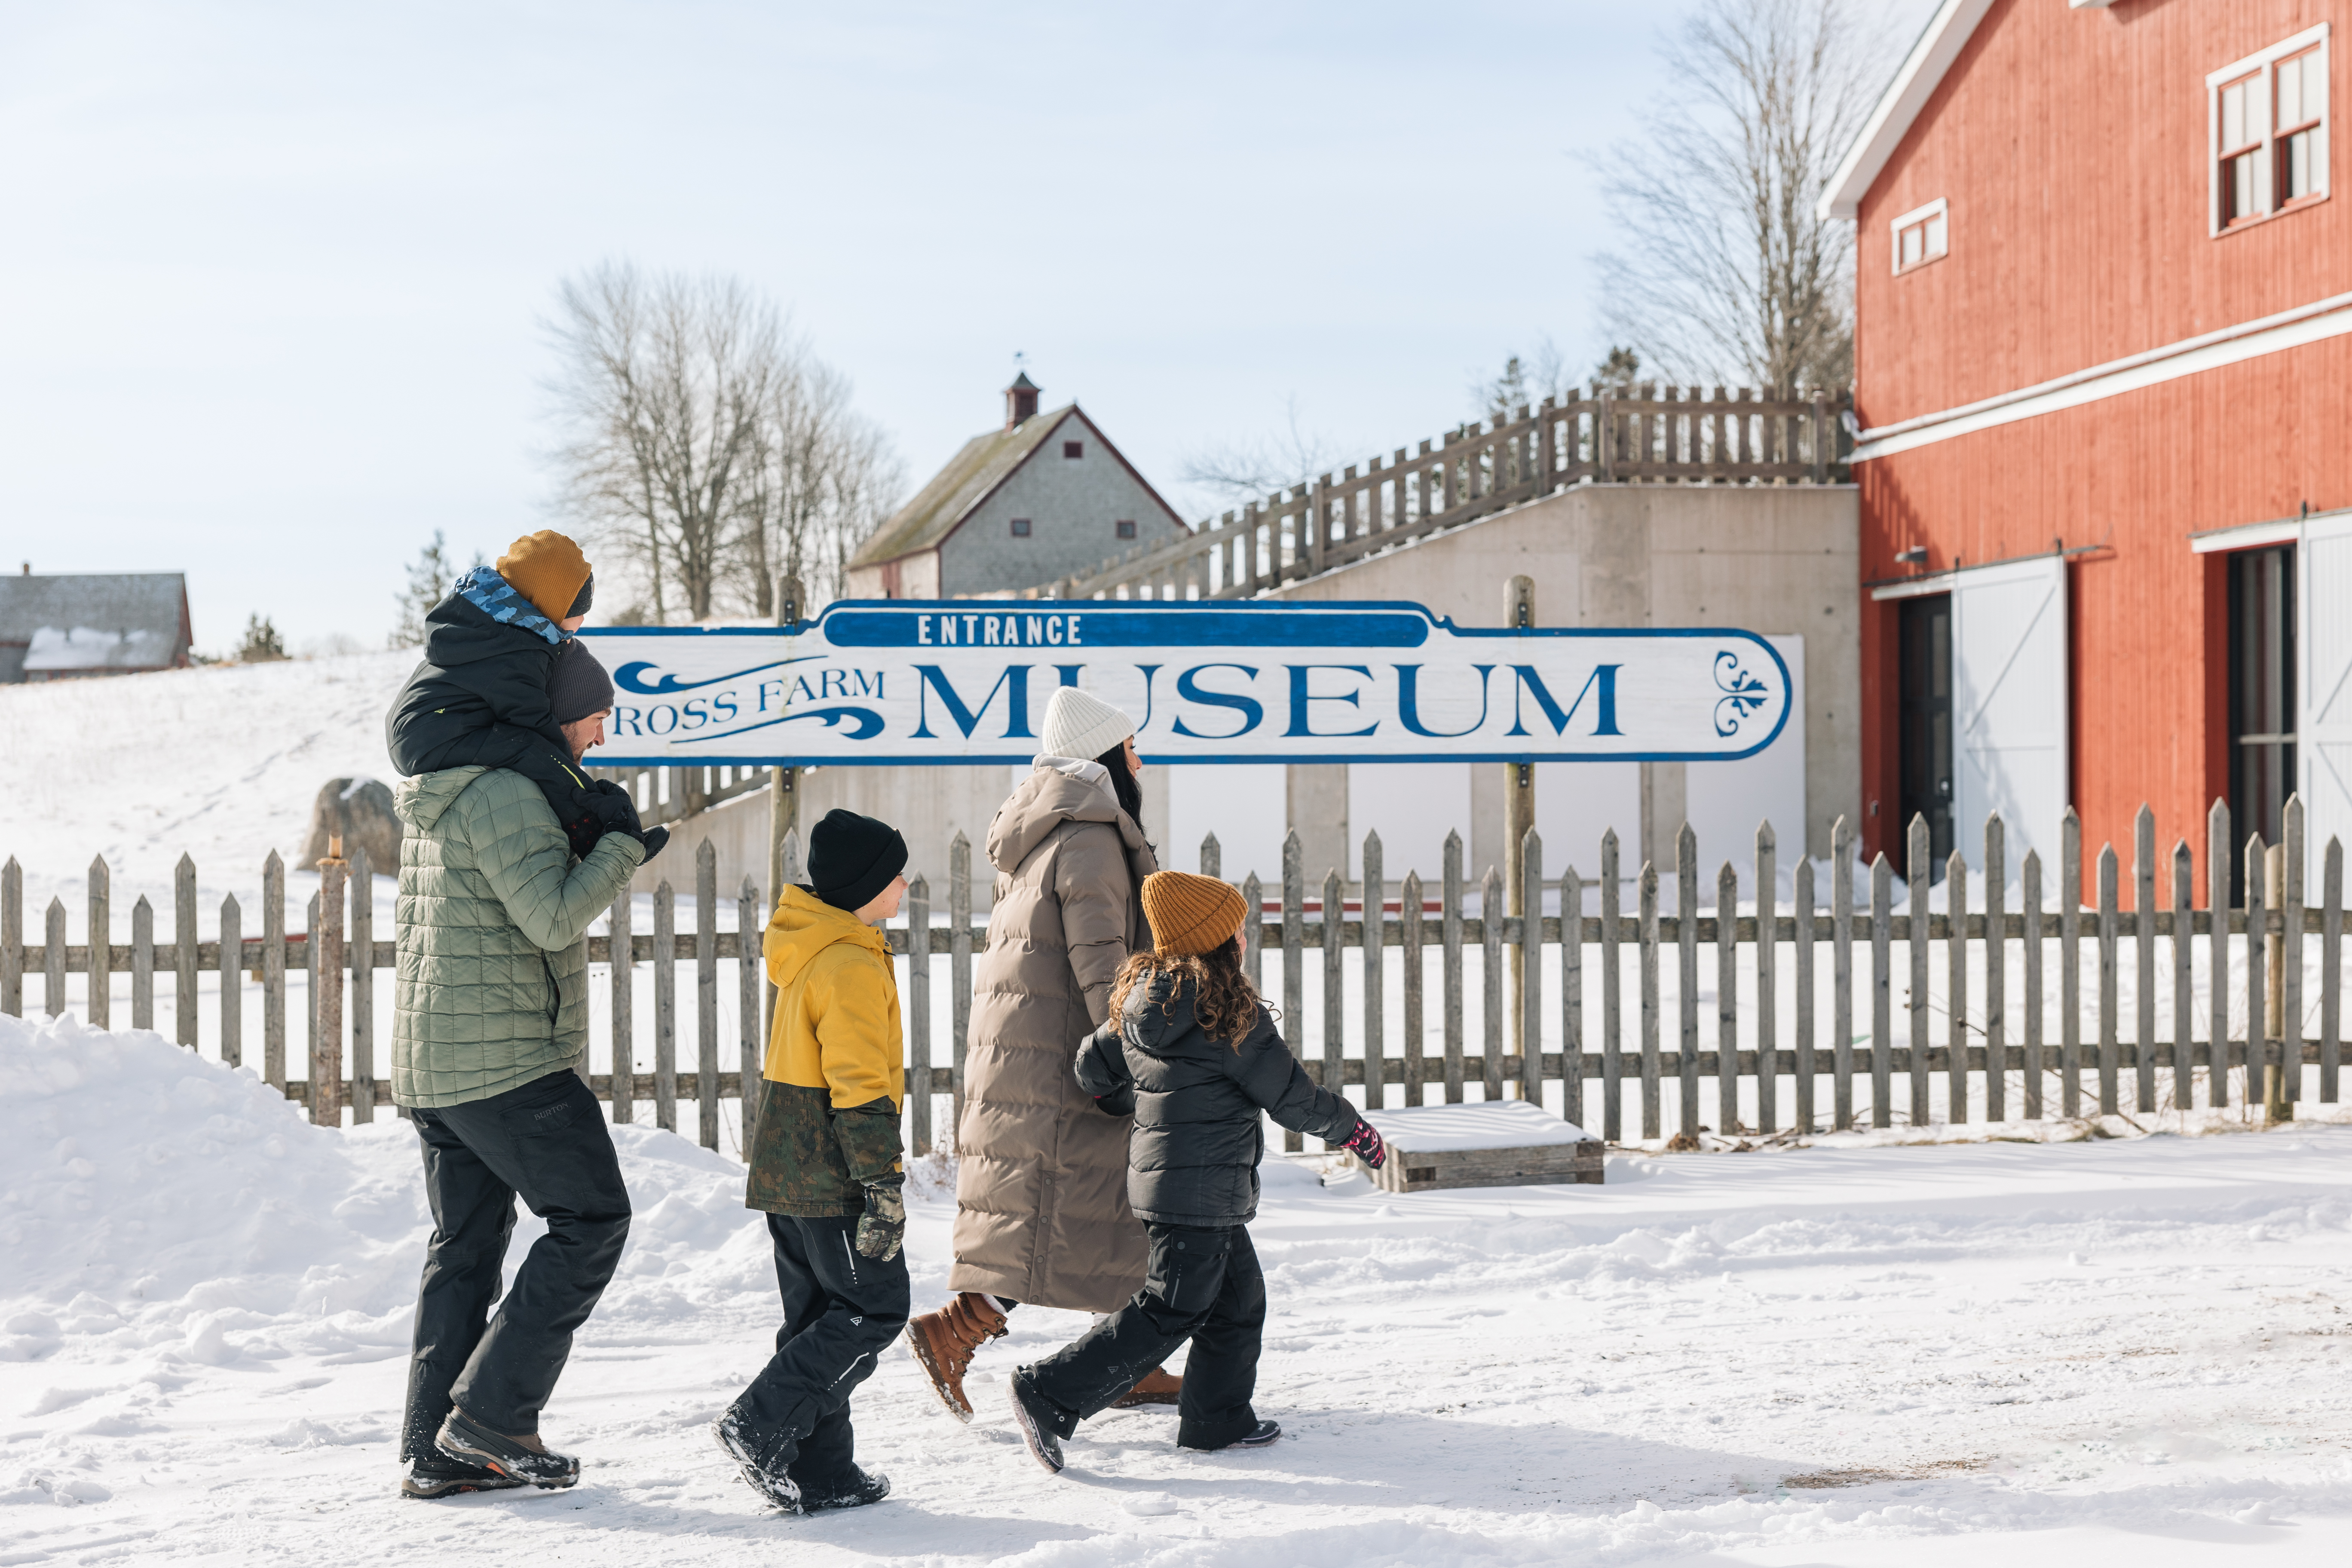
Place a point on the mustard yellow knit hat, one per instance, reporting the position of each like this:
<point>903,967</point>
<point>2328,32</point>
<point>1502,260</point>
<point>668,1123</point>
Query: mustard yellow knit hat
<point>1191,915</point>
<point>547,569</point>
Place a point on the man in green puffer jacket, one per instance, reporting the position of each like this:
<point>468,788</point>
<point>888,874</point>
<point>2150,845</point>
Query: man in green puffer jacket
<point>490,1019</point>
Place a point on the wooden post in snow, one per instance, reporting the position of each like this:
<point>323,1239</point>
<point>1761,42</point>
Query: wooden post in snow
<point>1518,819</point>
<point>327,975</point>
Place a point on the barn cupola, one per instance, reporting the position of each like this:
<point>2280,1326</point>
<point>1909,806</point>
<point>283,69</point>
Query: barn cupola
<point>1019,401</point>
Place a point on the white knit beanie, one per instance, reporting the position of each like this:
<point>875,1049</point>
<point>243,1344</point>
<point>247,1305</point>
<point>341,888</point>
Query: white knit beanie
<point>1077,725</point>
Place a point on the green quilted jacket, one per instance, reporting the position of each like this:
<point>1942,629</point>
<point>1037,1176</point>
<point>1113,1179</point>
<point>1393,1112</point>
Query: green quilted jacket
<point>492,986</point>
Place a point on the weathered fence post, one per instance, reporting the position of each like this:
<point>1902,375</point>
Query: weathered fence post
<point>183,953</point>
<point>1646,894</point>
<point>1612,994</point>
<point>363,946</point>
<point>100,949</point>
<point>1918,848</point>
<point>2070,964</point>
<point>1416,1043</point>
<point>1493,1029</point>
<point>327,975</point>
<point>2331,968</point>
<point>53,965</point>
<point>2144,953</point>
<point>1374,972</point>
<point>1687,981</point>
<point>1334,1064</point>
<point>1996,940</point>
<point>232,989</point>
<point>1253,931</point>
<point>1768,979</point>
<point>1882,995</point>
<point>12,939</point>
<point>2289,968</point>
<point>1518,812</point>
<point>621,949</point>
<point>1956,954</point>
<point>918,1013</point>
<point>1294,947</point>
<point>2184,1044</point>
<point>2030,877</point>
<point>2278,1105</point>
<point>1528,955</point>
<point>142,964</point>
<point>665,1007</point>
<point>2257,1015</point>
<point>960,969</point>
<point>2217,955</point>
<point>706,994</point>
<point>751,1039</point>
<point>1801,889</point>
<point>1842,868</point>
<point>1449,936</point>
<point>2107,1053</point>
<point>273,972</point>
<point>1727,1000</point>
<point>1212,855</point>
<point>1572,997</point>
<point>310,987</point>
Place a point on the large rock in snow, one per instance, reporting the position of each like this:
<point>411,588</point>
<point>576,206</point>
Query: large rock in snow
<point>359,810</point>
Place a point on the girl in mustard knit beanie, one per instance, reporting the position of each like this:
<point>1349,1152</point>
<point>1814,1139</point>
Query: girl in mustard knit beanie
<point>1193,1053</point>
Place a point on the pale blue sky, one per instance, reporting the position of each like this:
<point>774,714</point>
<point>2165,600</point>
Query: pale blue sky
<point>274,272</point>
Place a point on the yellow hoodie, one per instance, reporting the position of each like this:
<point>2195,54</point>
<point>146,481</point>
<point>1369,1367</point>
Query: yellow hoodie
<point>835,1064</point>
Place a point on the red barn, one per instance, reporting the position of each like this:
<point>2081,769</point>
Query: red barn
<point>2102,367</point>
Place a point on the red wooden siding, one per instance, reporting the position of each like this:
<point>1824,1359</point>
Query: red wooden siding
<point>2072,146</point>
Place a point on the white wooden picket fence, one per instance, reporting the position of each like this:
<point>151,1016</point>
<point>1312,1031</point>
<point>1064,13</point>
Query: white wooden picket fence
<point>1609,988</point>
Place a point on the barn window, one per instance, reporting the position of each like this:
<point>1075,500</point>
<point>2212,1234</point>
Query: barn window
<point>2269,117</point>
<point>1923,236</point>
<point>1020,527</point>
<point>1125,527</point>
<point>1074,451</point>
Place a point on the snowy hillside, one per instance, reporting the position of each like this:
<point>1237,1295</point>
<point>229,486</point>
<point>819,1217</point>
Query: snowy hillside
<point>2099,1352</point>
<point>220,763</point>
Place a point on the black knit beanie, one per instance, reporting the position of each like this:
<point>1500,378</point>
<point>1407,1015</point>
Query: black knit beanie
<point>578,688</point>
<point>587,596</point>
<point>852,858</point>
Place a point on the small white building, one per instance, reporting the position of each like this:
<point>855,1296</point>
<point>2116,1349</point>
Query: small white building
<point>1046,498</point>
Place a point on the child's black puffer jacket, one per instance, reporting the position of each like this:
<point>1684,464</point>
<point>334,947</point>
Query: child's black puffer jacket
<point>1193,1158</point>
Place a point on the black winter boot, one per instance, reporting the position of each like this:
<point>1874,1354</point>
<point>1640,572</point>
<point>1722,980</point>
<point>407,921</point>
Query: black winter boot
<point>520,1458</point>
<point>854,1490</point>
<point>765,1472</point>
<point>1034,1416</point>
<point>438,1475</point>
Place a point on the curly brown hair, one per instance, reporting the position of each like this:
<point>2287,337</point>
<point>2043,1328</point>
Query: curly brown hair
<point>1223,997</point>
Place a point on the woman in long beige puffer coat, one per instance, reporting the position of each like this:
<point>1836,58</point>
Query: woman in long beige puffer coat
<point>1041,1194</point>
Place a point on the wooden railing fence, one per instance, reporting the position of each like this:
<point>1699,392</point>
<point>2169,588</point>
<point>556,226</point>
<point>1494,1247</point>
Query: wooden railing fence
<point>1615,1046</point>
<point>1641,434</point>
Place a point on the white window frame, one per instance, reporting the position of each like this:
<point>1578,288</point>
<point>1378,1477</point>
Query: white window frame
<point>2266,188</point>
<point>1940,207</point>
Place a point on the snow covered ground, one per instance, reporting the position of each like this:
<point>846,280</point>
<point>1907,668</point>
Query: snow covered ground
<point>1835,1355</point>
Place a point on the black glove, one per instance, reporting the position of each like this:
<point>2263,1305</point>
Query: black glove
<point>582,834</point>
<point>1118,1102</point>
<point>653,838</point>
<point>1365,1145</point>
<point>616,812</point>
<point>882,1228</point>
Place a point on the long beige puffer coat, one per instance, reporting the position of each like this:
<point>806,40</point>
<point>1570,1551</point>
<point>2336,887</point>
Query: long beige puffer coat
<point>1041,1193</point>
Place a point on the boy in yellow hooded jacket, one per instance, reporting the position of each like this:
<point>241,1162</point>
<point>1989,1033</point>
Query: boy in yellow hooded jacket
<point>826,1167</point>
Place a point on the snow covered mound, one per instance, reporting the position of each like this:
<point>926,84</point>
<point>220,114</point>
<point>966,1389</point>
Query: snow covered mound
<point>221,763</point>
<point>149,1196</point>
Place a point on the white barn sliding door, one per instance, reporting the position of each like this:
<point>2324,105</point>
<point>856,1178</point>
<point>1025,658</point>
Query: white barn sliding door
<point>2323,689</point>
<point>2009,707</point>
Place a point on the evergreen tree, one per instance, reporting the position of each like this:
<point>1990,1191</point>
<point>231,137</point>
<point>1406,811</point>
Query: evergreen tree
<point>430,577</point>
<point>262,643</point>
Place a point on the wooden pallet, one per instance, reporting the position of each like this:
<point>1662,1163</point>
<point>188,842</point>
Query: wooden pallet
<point>1428,1150</point>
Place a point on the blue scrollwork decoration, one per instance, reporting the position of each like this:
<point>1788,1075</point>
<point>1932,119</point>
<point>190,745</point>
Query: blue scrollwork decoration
<point>1744,694</point>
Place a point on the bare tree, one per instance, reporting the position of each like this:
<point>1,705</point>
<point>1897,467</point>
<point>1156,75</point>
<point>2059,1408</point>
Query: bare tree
<point>1726,272</point>
<point>1238,471</point>
<point>707,449</point>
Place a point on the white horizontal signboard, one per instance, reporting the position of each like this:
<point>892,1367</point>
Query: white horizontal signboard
<point>901,681</point>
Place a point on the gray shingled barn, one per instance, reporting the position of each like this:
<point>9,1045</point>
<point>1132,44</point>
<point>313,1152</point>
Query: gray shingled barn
<point>112,623</point>
<point>1047,497</point>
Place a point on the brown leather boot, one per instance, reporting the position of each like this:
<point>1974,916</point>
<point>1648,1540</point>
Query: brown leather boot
<point>943,1341</point>
<point>1158,1386</point>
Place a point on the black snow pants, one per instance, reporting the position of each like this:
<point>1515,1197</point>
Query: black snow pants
<point>842,1309</point>
<point>546,1141</point>
<point>1203,1285</point>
